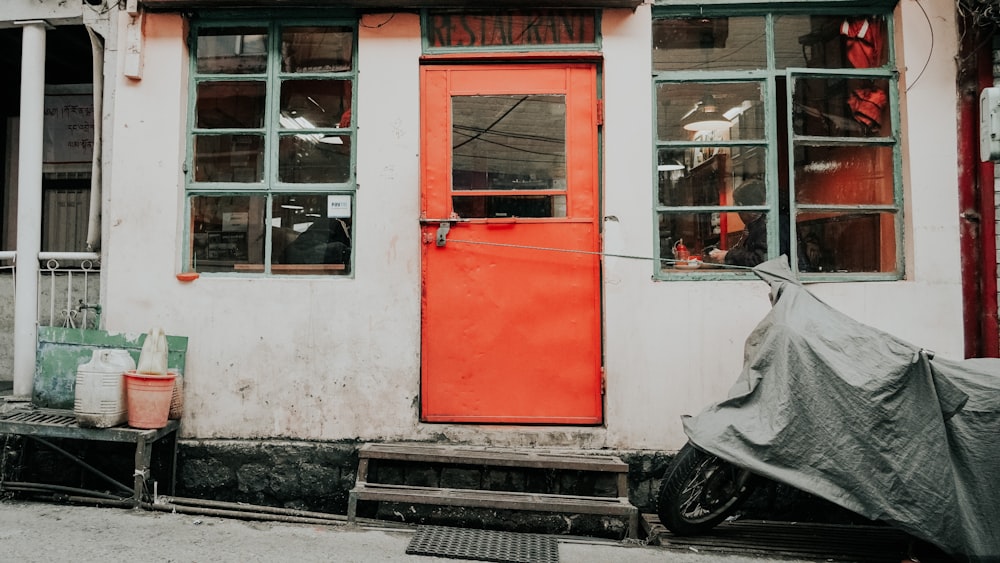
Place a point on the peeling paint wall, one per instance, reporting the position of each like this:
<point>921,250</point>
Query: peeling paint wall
<point>338,359</point>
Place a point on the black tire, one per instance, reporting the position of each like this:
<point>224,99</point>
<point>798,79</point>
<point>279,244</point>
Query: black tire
<point>699,490</point>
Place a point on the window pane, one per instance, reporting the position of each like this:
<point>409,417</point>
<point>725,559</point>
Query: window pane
<point>226,232</point>
<point>230,104</point>
<point>741,236</point>
<point>232,50</point>
<point>306,104</point>
<point>736,43</point>
<point>314,159</point>
<point>316,49</point>
<point>514,142</point>
<point>847,242</point>
<point>844,175</point>
<point>493,207</point>
<point>830,41</point>
<point>706,176</point>
<point>709,111</point>
<point>311,234</point>
<point>228,158</point>
<point>841,107</point>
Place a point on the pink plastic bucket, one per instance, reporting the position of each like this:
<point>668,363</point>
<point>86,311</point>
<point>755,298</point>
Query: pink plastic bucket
<point>148,397</point>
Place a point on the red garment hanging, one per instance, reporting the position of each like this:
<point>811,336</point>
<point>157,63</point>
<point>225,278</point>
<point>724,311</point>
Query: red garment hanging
<point>865,42</point>
<point>866,105</point>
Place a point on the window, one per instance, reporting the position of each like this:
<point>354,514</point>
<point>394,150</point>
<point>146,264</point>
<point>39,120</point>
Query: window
<point>777,133</point>
<point>270,182</point>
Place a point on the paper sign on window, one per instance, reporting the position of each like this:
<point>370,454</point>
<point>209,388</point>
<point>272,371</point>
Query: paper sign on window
<point>338,206</point>
<point>68,129</point>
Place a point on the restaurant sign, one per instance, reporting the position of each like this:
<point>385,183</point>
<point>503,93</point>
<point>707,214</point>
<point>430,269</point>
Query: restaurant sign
<point>511,29</point>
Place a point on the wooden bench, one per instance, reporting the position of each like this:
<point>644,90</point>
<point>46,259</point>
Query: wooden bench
<point>618,506</point>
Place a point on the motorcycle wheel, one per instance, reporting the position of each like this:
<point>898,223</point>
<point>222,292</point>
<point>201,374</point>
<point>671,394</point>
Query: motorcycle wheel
<point>699,490</point>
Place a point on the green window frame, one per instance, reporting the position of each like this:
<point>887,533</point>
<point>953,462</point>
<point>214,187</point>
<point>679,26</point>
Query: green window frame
<point>270,163</point>
<point>760,53</point>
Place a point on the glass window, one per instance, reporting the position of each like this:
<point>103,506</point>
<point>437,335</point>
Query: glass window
<point>270,186</point>
<point>776,134</point>
<point>734,43</point>
<point>501,166</point>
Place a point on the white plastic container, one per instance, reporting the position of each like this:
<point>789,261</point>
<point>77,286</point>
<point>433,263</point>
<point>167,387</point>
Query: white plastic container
<point>100,389</point>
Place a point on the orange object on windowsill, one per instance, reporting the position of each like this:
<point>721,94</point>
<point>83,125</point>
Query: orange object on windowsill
<point>188,276</point>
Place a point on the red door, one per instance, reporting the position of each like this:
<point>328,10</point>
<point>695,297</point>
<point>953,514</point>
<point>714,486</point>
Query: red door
<point>511,324</point>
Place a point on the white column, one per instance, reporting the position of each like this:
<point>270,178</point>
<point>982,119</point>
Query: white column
<point>29,204</point>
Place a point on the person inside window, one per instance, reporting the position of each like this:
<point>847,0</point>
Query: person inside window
<point>751,248</point>
<point>326,241</point>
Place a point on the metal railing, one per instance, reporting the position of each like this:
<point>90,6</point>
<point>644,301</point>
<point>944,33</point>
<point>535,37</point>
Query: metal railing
<point>68,288</point>
<point>70,281</point>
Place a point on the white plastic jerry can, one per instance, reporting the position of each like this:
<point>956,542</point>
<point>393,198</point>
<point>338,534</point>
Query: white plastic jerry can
<point>100,389</point>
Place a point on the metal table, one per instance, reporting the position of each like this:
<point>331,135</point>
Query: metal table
<point>61,424</point>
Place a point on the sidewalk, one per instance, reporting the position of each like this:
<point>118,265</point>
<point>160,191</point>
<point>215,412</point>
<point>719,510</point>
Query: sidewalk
<point>47,532</point>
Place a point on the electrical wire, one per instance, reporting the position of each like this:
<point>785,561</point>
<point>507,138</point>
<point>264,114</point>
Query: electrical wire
<point>930,51</point>
<point>596,253</point>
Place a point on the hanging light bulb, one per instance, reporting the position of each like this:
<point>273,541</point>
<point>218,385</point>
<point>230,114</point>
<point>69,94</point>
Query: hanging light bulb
<point>705,116</point>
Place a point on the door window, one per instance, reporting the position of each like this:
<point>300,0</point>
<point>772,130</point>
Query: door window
<point>509,156</point>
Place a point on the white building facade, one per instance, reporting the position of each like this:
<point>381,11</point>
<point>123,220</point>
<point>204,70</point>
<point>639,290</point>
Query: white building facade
<point>362,346</point>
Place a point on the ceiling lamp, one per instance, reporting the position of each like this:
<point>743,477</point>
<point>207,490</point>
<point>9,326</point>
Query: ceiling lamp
<point>705,116</point>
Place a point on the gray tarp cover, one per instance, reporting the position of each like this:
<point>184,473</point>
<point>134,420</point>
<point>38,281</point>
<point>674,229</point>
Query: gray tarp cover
<point>861,418</point>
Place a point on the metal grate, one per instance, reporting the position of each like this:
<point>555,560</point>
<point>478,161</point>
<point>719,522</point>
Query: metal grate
<point>483,545</point>
<point>40,417</point>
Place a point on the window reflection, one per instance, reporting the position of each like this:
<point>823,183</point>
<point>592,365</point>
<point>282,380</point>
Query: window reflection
<point>230,104</point>
<point>228,158</point>
<point>706,110</point>
<point>315,103</point>
<point>841,107</point>
<point>733,43</point>
<point>830,41</point>
<point>314,158</point>
<point>846,242</point>
<point>706,176</point>
<point>850,175</point>
<point>232,50</point>
<point>317,49</point>
<point>226,231</point>
<point>311,234</point>
<point>508,142</point>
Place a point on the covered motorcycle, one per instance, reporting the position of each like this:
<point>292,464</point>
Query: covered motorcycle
<point>862,419</point>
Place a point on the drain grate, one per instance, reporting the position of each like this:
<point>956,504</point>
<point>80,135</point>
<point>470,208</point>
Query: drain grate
<point>483,545</point>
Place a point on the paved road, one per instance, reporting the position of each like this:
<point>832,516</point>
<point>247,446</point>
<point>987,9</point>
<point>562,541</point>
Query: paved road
<point>45,532</point>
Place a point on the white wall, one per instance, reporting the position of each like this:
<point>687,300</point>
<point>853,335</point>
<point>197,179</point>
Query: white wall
<point>56,12</point>
<point>339,358</point>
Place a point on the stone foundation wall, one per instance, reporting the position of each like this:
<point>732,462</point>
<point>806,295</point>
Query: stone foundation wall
<point>300,475</point>
<point>317,476</point>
